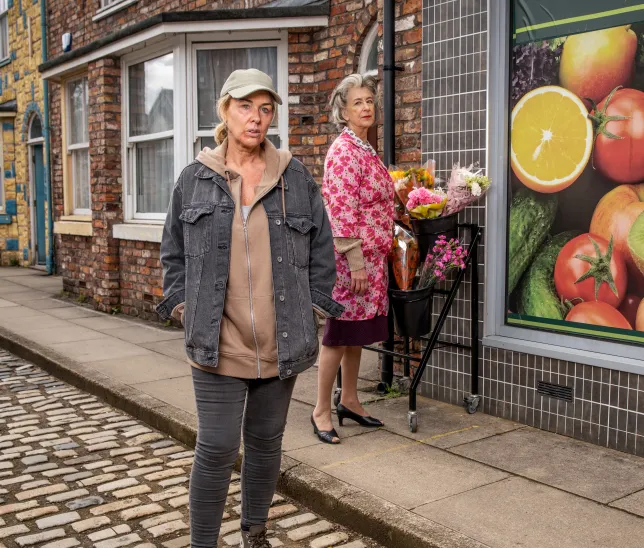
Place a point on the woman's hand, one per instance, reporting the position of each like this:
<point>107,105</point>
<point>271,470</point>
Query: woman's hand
<point>359,282</point>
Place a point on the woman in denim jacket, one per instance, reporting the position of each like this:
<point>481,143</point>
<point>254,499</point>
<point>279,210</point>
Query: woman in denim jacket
<point>248,264</point>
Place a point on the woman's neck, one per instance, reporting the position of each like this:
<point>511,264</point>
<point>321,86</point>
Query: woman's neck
<point>239,157</point>
<point>361,132</point>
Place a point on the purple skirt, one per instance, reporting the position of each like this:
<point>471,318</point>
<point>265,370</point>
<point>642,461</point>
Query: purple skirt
<point>355,332</point>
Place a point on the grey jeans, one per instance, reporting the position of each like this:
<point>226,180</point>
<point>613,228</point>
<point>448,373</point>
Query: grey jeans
<point>225,406</point>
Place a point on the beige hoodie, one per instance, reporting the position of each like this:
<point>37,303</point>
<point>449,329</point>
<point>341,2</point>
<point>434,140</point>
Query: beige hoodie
<point>247,341</point>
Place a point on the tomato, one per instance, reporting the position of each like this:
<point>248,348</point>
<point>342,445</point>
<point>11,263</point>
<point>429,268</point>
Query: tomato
<point>588,268</point>
<point>619,142</point>
<point>598,313</point>
<point>629,307</point>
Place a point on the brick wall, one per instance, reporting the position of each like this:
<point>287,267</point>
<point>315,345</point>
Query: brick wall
<point>318,60</point>
<point>19,80</point>
<point>75,16</point>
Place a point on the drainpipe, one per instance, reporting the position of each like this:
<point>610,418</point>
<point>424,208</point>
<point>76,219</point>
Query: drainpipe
<point>389,82</point>
<point>48,190</point>
<point>387,362</point>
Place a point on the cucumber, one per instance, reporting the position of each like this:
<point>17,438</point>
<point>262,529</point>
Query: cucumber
<point>531,218</point>
<point>537,294</point>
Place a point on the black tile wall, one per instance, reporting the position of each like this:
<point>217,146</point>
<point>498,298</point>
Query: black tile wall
<point>608,406</point>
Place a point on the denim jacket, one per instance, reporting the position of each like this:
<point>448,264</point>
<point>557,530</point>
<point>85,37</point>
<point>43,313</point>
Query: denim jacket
<point>195,254</point>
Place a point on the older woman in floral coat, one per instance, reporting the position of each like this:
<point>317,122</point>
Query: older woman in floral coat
<point>359,197</point>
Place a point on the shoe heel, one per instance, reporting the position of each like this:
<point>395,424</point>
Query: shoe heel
<point>341,420</point>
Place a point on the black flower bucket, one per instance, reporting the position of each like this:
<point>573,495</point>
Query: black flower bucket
<point>412,311</point>
<point>427,232</point>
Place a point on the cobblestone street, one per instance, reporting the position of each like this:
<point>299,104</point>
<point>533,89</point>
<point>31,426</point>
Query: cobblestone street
<point>76,472</point>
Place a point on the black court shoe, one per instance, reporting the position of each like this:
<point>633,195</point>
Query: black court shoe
<point>325,435</point>
<point>345,413</point>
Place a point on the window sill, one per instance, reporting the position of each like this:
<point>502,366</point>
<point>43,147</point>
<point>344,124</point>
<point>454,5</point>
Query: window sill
<point>73,228</point>
<point>5,62</point>
<point>138,232</point>
<point>106,12</point>
<point>77,218</point>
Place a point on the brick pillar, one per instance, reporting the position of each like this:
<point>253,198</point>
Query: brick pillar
<point>104,78</point>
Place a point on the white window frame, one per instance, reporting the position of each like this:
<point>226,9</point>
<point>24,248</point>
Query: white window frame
<point>281,129</point>
<point>603,353</point>
<point>4,16</point>
<point>77,146</point>
<point>105,9</point>
<point>178,133</point>
<point>370,40</point>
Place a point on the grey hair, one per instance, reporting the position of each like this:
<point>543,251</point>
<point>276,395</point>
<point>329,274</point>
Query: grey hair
<point>339,96</point>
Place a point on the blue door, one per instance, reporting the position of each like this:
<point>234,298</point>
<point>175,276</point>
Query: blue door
<point>39,203</point>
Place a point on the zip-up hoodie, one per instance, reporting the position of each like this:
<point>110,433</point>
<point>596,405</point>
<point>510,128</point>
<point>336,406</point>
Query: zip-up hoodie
<point>247,341</point>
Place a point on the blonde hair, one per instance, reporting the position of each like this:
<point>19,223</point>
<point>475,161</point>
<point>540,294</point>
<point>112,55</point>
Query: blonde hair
<point>221,131</point>
<point>339,96</point>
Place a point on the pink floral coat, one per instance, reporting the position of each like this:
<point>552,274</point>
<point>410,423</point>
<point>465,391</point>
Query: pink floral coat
<point>359,197</point>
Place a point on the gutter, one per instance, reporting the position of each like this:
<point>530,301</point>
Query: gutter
<point>50,261</point>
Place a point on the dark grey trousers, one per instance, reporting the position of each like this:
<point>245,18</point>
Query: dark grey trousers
<point>225,406</point>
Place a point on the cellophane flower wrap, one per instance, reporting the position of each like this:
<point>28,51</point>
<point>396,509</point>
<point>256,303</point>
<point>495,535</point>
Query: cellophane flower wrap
<point>465,187</point>
<point>426,204</point>
<point>403,185</point>
<point>404,257</point>
<point>447,256</point>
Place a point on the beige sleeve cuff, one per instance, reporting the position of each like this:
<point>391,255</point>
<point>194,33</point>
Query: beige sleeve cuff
<point>351,248</point>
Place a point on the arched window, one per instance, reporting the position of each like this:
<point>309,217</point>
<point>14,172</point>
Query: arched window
<point>369,54</point>
<point>35,128</point>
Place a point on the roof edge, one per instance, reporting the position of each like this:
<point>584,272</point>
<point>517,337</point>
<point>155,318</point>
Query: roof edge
<point>186,17</point>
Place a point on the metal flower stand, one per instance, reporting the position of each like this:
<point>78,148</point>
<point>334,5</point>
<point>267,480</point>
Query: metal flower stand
<point>433,340</point>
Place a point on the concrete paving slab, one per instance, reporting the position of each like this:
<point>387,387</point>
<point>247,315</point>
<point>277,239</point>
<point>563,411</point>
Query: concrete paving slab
<point>5,304</point>
<point>399,470</point>
<point>12,272</point>
<point>142,334</point>
<point>101,323</point>
<point>178,392</point>
<point>588,470</point>
<point>41,281</point>
<point>10,292</point>
<point>28,296</point>
<point>98,349</point>
<point>19,311</point>
<point>72,313</point>
<point>439,424</point>
<point>306,388</point>
<point>517,512</point>
<point>174,348</point>
<point>369,366</point>
<point>633,503</point>
<point>146,367</point>
<point>34,322</point>
<point>68,333</point>
<point>45,304</point>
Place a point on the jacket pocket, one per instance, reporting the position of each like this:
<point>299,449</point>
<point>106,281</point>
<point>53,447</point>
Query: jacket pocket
<point>197,219</point>
<point>299,240</point>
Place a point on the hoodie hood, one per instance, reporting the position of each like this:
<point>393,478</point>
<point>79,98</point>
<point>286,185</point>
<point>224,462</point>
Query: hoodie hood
<point>276,163</point>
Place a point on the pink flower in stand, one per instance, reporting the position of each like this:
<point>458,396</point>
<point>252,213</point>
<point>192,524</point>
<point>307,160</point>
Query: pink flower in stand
<point>422,196</point>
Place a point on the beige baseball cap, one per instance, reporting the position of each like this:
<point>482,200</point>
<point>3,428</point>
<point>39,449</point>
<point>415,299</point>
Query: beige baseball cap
<point>242,83</point>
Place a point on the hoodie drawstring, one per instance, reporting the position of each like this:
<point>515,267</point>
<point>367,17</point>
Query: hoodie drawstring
<point>283,199</point>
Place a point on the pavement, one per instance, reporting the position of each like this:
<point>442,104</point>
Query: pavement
<point>77,472</point>
<point>461,481</point>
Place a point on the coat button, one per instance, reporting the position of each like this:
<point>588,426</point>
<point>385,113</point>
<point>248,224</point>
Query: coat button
<point>219,285</point>
<point>282,298</point>
<point>285,334</point>
<point>279,259</point>
<point>289,371</point>
<point>278,222</point>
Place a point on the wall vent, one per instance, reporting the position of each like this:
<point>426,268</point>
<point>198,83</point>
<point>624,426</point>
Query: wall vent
<point>556,391</point>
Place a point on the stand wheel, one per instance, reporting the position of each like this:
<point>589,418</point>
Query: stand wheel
<point>472,403</point>
<point>412,418</point>
<point>336,396</point>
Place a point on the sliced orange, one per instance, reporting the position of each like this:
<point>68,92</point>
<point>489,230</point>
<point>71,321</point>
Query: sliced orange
<point>552,139</point>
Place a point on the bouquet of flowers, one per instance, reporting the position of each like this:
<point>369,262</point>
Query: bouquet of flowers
<point>403,185</point>
<point>404,257</point>
<point>426,204</point>
<point>464,188</point>
<point>445,257</point>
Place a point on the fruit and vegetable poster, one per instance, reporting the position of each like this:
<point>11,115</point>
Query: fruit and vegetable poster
<point>575,250</point>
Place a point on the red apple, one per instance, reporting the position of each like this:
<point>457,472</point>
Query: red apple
<point>595,63</point>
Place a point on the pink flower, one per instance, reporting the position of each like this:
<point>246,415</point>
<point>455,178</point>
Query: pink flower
<point>422,196</point>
